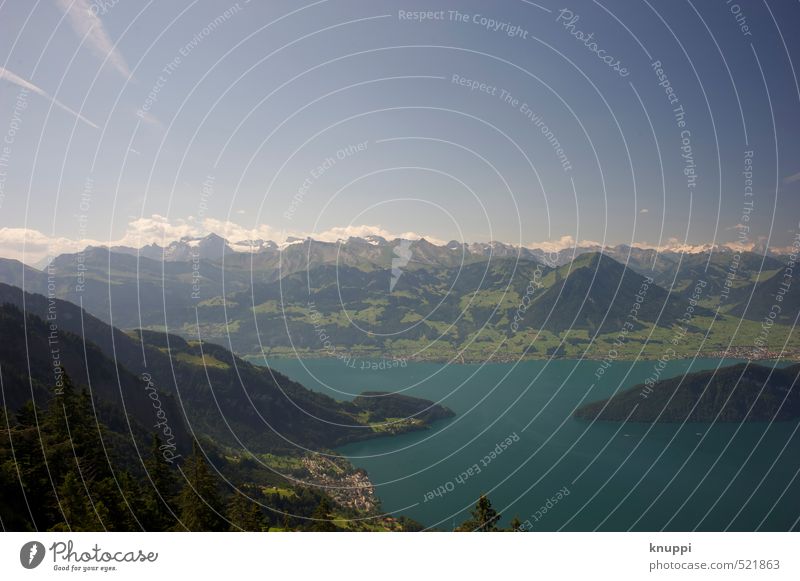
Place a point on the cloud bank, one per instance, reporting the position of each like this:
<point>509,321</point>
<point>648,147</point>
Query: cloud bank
<point>32,246</point>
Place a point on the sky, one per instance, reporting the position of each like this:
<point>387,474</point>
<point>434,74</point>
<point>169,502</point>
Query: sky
<point>653,123</point>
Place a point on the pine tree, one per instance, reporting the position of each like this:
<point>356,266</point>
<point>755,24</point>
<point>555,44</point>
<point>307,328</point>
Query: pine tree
<point>79,514</point>
<point>130,511</point>
<point>160,490</point>
<point>245,514</point>
<point>13,512</point>
<point>199,501</point>
<point>484,517</point>
<point>27,415</point>
<point>31,437</point>
<point>54,418</point>
<point>516,524</point>
<point>322,517</point>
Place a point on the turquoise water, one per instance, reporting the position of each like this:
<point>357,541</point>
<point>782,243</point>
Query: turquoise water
<point>559,473</point>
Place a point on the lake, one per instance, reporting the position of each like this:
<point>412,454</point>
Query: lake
<point>513,438</point>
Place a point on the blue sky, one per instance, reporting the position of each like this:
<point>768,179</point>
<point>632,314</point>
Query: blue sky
<point>145,121</point>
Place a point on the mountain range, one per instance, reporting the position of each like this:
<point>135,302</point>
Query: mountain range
<point>214,246</point>
<point>182,326</point>
<point>437,302</point>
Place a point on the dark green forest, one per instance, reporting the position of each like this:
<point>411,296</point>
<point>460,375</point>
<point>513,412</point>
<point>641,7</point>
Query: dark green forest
<point>64,470</point>
<point>87,445</point>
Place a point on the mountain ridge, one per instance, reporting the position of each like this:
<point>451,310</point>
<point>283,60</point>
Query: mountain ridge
<point>736,393</point>
<point>214,246</point>
<point>251,405</point>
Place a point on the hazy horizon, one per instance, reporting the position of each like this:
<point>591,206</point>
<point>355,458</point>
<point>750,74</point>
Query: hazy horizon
<point>473,125</point>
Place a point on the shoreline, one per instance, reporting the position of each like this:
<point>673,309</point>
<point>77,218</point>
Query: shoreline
<point>259,359</point>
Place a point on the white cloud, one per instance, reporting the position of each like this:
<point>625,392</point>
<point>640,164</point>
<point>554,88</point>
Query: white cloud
<point>644,211</point>
<point>677,245</point>
<point>15,79</point>
<point>236,232</point>
<point>87,25</point>
<point>792,178</point>
<point>345,232</point>
<point>562,243</point>
<point>155,229</point>
<point>791,249</point>
<point>150,119</point>
<point>738,226</point>
<point>31,246</point>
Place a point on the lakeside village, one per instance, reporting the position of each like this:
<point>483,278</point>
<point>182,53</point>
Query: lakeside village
<point>348,487</point>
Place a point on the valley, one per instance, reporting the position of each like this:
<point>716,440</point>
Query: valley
<point>212,349</point>
<point>453,303</point>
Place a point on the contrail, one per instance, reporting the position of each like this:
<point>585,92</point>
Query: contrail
<point>20,82</point>
<point>87,24</point>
